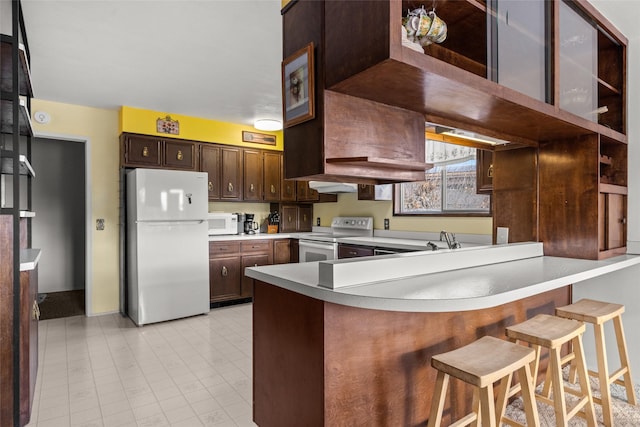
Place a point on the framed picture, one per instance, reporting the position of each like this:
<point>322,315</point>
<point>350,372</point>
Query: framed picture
<point>258,138</point>
<point>297,87</point>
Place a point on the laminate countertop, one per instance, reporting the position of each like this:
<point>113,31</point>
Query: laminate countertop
<point>438,281</point>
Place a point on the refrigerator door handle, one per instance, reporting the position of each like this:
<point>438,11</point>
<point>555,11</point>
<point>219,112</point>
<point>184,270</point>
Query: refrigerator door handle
<point>198,221</point>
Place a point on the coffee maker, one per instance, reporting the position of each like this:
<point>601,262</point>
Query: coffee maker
<point>241,219</point>
<point>250,226</point>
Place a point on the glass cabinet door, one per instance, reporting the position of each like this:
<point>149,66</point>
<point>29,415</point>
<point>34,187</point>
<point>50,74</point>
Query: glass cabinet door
<point>578,64</point>
<point>519,46</point>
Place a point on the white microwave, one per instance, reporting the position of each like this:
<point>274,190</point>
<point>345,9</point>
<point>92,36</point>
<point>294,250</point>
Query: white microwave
<point>222,223</point>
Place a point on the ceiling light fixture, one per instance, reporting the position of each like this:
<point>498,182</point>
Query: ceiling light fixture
<point>267,124</point>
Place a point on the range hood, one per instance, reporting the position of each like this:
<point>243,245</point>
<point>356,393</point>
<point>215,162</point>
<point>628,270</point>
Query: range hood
<point>333,187</point>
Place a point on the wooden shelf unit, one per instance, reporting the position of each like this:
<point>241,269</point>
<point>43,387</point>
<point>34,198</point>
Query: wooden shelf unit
<point>19,311</point>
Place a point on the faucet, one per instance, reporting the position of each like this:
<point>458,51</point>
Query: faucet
<point>450,238</point>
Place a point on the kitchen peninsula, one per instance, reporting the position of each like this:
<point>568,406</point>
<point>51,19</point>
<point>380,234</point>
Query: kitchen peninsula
<point>359,354</point>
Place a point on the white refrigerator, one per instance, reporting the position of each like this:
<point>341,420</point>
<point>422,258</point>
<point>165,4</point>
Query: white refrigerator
<point>167,245</point>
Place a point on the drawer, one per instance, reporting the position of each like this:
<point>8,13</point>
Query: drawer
<point>223,248</point>
<point>256,246</point>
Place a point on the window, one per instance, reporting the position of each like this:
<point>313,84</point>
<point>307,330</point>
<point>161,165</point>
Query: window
<point>449,187</point>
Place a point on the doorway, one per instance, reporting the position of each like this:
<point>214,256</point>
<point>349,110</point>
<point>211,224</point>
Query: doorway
<point>59,200</point>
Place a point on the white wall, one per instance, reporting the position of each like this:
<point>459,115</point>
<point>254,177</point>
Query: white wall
<point>622,287</point>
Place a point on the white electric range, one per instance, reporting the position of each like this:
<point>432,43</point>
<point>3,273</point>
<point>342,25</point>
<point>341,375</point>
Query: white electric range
<point>324,246</point>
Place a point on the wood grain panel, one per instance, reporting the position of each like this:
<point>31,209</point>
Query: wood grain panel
<point>303,143</point>
<point>515,189</point>
<point>319,363</point>
<point>569,172</point>
<point>6,321</point>
<point>357,127</point>
<point>288,385</point>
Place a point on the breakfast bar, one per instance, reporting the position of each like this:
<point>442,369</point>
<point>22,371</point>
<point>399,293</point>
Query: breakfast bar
<point>349,342</point>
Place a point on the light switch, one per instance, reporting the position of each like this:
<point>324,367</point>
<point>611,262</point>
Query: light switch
<point>502,235</point>
<point>100,224</point>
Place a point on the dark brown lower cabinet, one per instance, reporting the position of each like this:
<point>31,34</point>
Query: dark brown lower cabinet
<point>282,251</point>
<point>228,260</point>
<point>225,278</point>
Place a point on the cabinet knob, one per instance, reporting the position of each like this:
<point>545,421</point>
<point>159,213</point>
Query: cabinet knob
<point>179,155</point>
<point>210,186</point>
<point>225,272</point>
<point>289,218</point>
<point>145,152</point>
<point>623,220</point>
<point>251,188</point>
<point>363,186</point>
<point>230,187</point>
<point>273,189</point>
<point>490,171</point>
<point>304,217</point>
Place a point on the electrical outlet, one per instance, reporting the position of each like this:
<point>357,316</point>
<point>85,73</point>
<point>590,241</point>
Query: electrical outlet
<point>100,224</point>
<point>386,223</point>
<point>318,221</point>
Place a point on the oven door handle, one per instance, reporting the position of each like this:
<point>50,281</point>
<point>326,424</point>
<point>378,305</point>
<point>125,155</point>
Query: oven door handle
<point>308,244</point>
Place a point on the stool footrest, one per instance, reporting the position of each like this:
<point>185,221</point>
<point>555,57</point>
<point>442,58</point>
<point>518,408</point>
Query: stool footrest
<point>617,374</point>
<point>466,420</point>
<point>578,408</point>
<point>511,422</point>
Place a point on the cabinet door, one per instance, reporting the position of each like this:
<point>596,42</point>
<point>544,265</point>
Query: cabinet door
<point>294,250</point>
<point>484,172</point>
<point>253,179</point>
<point>252,261</point>
<point>281,251</point>
<point>225,279</point>
<point>272,176</point>
<point>578,63</point>
<point>366,192</point>
<point>306,194</point>
<point>141,151</point>
<point>305,220</point>
<point>288,187</point>
<point>288,193</point>
<point>616,221</point>
<point>521,47</point>
<point>231,165</point>
<point>180,155</point>
<point>289,219</point>
<point>210,163</point>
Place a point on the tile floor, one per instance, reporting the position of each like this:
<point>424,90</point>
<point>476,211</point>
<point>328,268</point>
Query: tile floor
<point>105,371</point>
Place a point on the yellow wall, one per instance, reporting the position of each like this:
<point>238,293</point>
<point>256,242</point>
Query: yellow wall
<point>136,120</point>
<point>349,205</point>
<point>100,127</point>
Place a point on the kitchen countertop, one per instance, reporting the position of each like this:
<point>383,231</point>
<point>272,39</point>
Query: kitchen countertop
<point>375,241</point>
<point>257,236</point>
<point>457,289</point>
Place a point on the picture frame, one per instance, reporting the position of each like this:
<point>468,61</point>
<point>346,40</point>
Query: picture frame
<point>258,138</point>
<point>298,100</point>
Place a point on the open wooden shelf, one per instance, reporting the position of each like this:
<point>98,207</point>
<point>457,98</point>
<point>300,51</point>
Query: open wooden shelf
<point>25,87</point>
<point>6,164</point>
<point>6,119</point>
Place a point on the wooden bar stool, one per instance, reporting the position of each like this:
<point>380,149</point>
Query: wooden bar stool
<point>597,313</point>
<point>481,364</point>
<point>553,332</point>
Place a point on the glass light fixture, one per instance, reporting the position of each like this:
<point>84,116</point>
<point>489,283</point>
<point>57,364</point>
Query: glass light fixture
<point>267,124</point>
